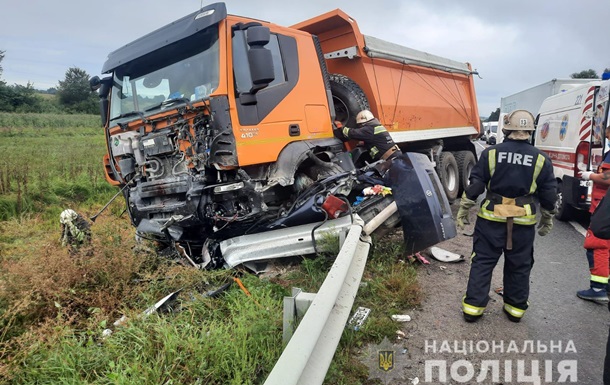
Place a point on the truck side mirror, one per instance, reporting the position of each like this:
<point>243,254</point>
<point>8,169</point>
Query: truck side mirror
<point>259,58</point>
<point>103,87</point>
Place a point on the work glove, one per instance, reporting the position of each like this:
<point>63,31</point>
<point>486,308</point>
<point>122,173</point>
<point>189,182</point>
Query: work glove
<point>546,222</point>
<point>462,215</point>
<point>586,175</point>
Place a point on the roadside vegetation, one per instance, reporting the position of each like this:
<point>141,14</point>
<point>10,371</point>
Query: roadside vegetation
<point>55,303</point>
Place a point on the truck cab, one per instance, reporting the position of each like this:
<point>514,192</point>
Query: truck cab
<point>220,125</point>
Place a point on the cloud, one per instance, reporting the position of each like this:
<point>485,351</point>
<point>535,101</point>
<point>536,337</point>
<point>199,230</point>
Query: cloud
<point>514,45</point>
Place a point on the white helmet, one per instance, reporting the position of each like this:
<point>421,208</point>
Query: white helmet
<point>67,216</point>
<point>519,120</point>
<point>364,116</point>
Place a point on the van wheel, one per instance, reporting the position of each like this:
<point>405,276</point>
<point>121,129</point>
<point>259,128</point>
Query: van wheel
<point>465,161</point>
<point>449,175</point>
<point>564,210</point>
<point>348,98</point>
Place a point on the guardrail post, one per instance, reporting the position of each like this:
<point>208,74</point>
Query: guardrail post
<point>295,308</point>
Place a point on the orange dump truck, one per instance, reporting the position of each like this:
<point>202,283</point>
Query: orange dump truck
<point>218,123</point>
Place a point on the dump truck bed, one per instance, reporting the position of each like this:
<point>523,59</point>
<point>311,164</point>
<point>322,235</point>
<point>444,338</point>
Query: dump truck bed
<point>416,95</point>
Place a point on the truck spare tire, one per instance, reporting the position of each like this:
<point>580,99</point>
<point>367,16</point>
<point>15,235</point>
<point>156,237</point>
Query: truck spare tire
<point>348,98</point>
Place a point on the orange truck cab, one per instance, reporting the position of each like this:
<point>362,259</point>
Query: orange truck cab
<point>218,123</point>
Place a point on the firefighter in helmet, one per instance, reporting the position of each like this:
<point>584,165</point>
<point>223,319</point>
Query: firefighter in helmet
<point>373,134</point>
<point>518,177</point>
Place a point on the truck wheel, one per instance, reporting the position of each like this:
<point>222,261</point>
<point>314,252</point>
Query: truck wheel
<point>465,161</point>
<point>449,175</point>
<point>564,210</point>
<point>348,98</point>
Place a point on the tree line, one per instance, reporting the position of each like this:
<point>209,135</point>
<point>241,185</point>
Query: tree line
<point>72,95</point>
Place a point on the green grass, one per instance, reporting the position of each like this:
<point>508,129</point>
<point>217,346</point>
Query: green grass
<point>41,168</point>
<point>54,304</point>
<point>17,122</point>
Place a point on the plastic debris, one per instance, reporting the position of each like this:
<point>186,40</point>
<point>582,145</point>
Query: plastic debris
<point>400,334</point>
<point>445,255</point>
<point>377,190</point>
<point>415,381</point>
<point>357,320</point>
<point>499,291</point>
<point>401,317</point>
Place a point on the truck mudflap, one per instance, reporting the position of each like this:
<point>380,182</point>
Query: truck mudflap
<point>424,210</point>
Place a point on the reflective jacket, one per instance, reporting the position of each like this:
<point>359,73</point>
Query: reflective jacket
<point>517,172</point>
<point>599,189</point>
<point>376,138</point>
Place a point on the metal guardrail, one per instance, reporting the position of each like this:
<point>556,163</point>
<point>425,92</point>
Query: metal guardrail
<point>306,358</point>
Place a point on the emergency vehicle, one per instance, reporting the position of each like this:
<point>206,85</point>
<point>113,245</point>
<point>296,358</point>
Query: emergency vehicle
<point>570,129</point>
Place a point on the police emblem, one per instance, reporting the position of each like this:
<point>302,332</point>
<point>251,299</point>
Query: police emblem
<point>386,360</point>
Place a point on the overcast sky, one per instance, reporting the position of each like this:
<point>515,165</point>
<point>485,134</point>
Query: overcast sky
<point>514,44</point>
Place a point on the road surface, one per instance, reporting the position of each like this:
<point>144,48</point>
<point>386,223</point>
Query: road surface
<point>561,338</point>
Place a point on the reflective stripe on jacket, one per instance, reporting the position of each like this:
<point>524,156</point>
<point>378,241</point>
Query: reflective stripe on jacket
<point>486,210</point>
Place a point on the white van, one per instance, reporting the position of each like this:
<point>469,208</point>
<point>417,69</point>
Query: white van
<point>570,129</point>
<point>492,133</point>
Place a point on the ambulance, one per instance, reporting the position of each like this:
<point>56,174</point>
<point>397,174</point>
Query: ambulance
<point>570,129</point>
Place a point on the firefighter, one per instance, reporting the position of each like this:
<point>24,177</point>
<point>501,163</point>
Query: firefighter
<point>517,176</point>
<point>597,250</point>
<point>373,134</point>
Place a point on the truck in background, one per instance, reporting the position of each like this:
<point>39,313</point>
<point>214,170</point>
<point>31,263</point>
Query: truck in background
<point>219,125</point>
<point>531,99</point>
<point>570,129</point>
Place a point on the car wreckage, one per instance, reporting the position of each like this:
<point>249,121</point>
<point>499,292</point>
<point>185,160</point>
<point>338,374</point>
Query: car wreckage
<point>219,128</point>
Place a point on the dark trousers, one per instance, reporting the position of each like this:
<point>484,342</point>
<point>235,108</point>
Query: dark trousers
<point>489,243</point>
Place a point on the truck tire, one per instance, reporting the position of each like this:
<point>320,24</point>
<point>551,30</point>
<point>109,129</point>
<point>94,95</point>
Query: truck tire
<point>465,161</point>
<point>449,175</point>
<point>565,212</point>
<point>348,98</point>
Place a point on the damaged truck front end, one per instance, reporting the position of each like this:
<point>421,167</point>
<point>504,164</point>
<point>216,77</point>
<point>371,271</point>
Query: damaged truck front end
<point>217,128</point>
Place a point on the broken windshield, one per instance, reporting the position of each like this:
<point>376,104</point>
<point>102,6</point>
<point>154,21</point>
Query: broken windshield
<point>184,71</point>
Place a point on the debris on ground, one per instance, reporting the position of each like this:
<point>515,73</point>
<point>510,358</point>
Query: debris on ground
<point>357,320</point>
<point>499,291</point>
<point>401,317</point>
<point>418,257</point>
<point>443,255</point>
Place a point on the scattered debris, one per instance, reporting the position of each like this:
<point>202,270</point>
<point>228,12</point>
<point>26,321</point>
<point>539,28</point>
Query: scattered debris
<point>417,257</point>
<point>445,255</point>
<point>401,317</point>
<point>377,190</point>
<point>75,230</point>
<point>415,381</point>
<point>499,291</point>
<point>443,267</point>
<point>400,334</point>
<point>357,320</point>
<point>164,303</point>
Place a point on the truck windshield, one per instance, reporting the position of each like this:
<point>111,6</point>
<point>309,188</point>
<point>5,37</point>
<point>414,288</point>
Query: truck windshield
<point>185,71</point>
